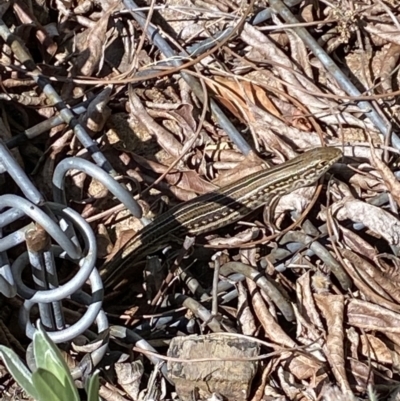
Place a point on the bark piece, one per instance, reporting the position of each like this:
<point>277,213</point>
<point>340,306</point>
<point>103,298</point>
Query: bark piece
<point>230,378</point>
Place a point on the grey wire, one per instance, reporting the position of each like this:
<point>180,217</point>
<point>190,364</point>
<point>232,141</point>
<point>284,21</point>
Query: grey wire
<point>10,165</point>
<point>7,284</point>
<point>322,253</point>
<point>66,114</point>
<point>130,337</point>
<point>44,126</point>
<point>39,273</point>
<point>102,325</point>
<point>200,311</point>
<point>96,172</point>
<point>15,238</point>
<point>77,328</point>
<point>224,285</point>
<point>10,216</point>
<point>168,52</point>
<point>162,322</point>
<point>95,356</point>
<point>208,43</point>
<point>343,81</point>
<point>40,217</point>
<point>86,264</point>
<point>262,282</point>
<point>266,13</point>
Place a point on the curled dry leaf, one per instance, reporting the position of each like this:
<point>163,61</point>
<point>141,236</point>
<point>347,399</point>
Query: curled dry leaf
<point>183,116</point>
<point>393,185</point>
<point>388,61</point>
<point>370,317</point>
<point>242,237</point>
<point>333,393</point>
<point>306,301</point>
<point>122,239</point>
<point>165,139</point>
<point>286,67</point>
<point>367,182</point>
<point>383,31</point>
<point>375,349</point>
<point>178,193</point>
<point>385,280</point>
<point>104,245</point>
<point>360,374</point>
<point>189,24</point>
<point>237,96</point>
<point>373,217</point>
<point>273,331</point>
<point>245,317</point>
<point>302,366</point>
<point>249,165</point>
<point>188,180</point>
<point>91,49</point>
<point>299,50</point>
<point>287,383</point>
<point>358,244</point>
<point>297,200</point>
<point>47,46</point>
<point>300,87</point>
<point>129,375</point>
<point>374,284</point>
<point>332,307</point>
<point>276,134</point>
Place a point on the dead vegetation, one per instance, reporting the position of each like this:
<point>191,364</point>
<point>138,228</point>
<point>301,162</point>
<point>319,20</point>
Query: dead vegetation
<point>176,118</point>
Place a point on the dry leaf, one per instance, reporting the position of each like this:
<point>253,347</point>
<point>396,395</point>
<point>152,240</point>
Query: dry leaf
<point>249,165</point>
<point>188,180</point>
<point>370,317</point>
<point>391,181</point>
<point>236,96</point>
<point>332,307</point>
<point>373,217</point>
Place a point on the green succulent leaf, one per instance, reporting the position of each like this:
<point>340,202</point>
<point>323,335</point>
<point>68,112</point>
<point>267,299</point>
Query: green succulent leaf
<point>51,380</point>
<point>92,387</point>
<point>19,371</point>
<point>48,386</point>
<point>49,358</point>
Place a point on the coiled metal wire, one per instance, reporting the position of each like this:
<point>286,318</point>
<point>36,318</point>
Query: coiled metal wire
<point>50,235</point>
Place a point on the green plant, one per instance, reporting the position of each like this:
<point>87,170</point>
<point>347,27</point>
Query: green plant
<point>52,380</point>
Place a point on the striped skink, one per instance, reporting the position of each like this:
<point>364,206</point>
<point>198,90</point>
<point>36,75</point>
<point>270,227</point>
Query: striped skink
<point>219,208</point>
